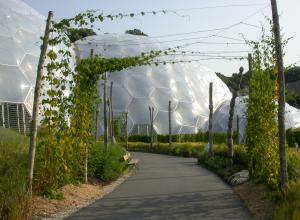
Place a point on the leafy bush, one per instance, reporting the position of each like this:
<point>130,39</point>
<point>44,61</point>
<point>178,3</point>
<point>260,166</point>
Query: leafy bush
<point>292,137</point>
<point>216,162</point>
<point>106,164</point>
<point>219,138</point>
<point>219,162</point>
<point>14,202</point>
<point>177,149</point>
<point>139,138</point>
<point>293,164</point>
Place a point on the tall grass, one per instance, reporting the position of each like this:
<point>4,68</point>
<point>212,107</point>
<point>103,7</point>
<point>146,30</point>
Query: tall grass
<point>14,203</point>
<point>289,208</point>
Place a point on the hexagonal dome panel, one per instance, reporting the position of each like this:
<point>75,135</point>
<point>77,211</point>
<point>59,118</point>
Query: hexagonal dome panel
<point>120,98</point>
<point>161,123</point>
<point>14,87</point>
<point>161,97</point>
<point>186,84</point>
<point>138,110</point>
<point>138,86</point>
<point>220,118</point>
<point>20,30</point>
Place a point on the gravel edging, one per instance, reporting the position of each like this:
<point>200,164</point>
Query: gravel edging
<point>105,191</point>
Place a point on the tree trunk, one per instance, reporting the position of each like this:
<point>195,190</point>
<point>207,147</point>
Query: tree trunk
<point>151,126</point>
<point>86,165</point>
<point>37,91</point>
<point>170,125</point>
<point>126,130</point>
<point>238,129</point>
<point>211,108</point>
<point>113,141</point>
<point>281,97</point>
<point>105,114</point>
<point>229,130</point>
<point>250,163</point>
<point>230,119</point>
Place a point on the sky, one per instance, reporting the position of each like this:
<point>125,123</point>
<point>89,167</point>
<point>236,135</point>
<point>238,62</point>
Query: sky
<point>244,18</point>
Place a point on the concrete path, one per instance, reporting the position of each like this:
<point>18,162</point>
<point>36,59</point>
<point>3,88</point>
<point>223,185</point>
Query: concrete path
<point>166,187</point>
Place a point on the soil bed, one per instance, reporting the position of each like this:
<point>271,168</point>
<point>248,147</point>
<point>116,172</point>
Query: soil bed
<point>255,198</point>
<point>74,198</point>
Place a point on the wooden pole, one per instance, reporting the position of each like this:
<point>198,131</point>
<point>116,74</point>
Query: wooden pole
<point>126,130</point>
<point>24,120</point>
<point>238,129</point>
<point>18,119</point>
<point>250,65</point>
<point>281,97</point>
<point>3,117</point>
<point>92,53</point>
<point>210,131</point>
<point>105,114</point>
<point>230,119</point>
<point>151,109</point>
<point>152,132</point>
<point>111,115</point>
<point>170,125</point>
<point>37,91</point>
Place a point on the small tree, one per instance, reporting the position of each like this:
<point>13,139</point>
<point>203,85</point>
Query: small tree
<point>136,32</point>
<point>75,34</point>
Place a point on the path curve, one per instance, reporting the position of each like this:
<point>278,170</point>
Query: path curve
<point>165,187</point>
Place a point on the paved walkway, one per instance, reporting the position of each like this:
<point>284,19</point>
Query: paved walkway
<point>166,187</point>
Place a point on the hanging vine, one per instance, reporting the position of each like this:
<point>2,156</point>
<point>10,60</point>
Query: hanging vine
<point>68,102</point>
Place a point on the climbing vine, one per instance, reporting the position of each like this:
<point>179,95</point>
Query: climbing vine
<point>261,131</point>
<point>68,101</point>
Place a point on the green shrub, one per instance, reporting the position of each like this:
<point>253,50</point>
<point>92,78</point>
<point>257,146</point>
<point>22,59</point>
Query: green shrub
<point>139,138</point>
<point>219,163</point>
<point>14,202</point>
<point>292,137</point>
<point>294,164</point>
<point>177,149</point>
<point>219,138</point>
<point>106,165</point>
<point>216,162</point>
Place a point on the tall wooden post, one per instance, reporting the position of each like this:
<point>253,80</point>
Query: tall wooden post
<point>111,114</point>
<point>230,118</point>
<point>238,129</point>
<point>37,91</point>
<point>210,131</point>
<point>126,130</point>
<point>105,114</point>
<point>250,63</point>
<point>281,97</point>
<point>170,125</point>
<point>151,109</point>
<point>3,117</point>
<point>18,118</point>
<point>109,120</point>
<point>24,120</point>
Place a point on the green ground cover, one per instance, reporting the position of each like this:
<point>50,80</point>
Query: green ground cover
<point>104,164</point>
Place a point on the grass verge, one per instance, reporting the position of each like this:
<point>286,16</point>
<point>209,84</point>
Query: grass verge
<point>104,164</point>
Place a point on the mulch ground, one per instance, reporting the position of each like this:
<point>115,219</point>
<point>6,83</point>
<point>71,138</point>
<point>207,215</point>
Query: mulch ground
<point>255,198</point>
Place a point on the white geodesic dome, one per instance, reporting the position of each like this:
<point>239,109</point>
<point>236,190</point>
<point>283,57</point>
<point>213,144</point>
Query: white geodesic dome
<point>220,118</point>
<point>20,30</point>
<point>135,89</point>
